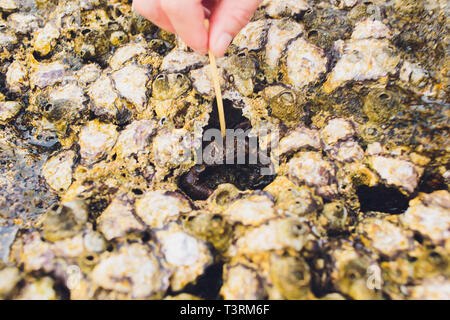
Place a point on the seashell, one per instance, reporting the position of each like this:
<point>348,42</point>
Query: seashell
<point>135,262</point>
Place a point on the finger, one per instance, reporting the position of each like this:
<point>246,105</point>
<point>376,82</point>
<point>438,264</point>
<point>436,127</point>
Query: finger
<point>187,18</point>
<point>152,10</point>
<point>227,19</point>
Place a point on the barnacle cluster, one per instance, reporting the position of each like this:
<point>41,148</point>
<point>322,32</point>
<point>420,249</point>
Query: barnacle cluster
<point>101,114</point>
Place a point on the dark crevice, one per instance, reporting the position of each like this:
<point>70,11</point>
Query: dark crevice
<point>208,284</point>
<point>201,181</point>
<point>382,199</point>
<point>430,182</point>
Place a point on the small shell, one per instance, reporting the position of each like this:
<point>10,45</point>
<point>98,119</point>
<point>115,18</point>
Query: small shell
<point>292,199</point>
<point>280,33</point>
<point>170,149</point>
<point>89,73</point>
<point>126,53</point>
<point>131,82</point>
<point>310,168</point>
<point>201,80</point>
<point>298,138</point>
<point>305,63</point>
<point>350,272</point>
<point>118,220</point>
<point>285,8</point>
<point>385,236</point>
<point>337,129</point>
<point>57,171</point>
<point>47,74</point>
<point>397,172</point>
<point>186,255</point>
<point>23,23</point>
<point>96,139</point>
<point>42,289</point>
<point>369,28</point>
<point>347,151</point>
<point>170,86</point>
<point>276,234</point>
<point>180,61</point>
<point>368,59</point>
<point>103,96</point>
<point>45,39</point>
<point>17,77</point>
<point>157,208</point>
<point>241,283</point>
<point>9,109</point>
<point>253,36</point>
<point>134,138</point>
<point>133,270</point>
<point>9,277</point>
<point>251,210</point>
<point>64,220</point>
<point>428,215</point>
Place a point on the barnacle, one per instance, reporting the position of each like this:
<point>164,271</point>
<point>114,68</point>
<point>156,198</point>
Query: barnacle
<point>107,190</point>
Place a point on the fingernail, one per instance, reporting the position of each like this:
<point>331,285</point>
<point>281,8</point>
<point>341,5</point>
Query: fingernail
<point>222,44</point>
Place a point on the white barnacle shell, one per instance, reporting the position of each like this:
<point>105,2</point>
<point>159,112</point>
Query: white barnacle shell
<point>186,255</point>
<point>300,137</point>
<point>347,151</point>
<point>279,34</point>
<point>385,236</point>
<point>133,270</point>
<point>241,283</point>
<point>400,173</point>
<point>118,220</point>
<point>367,59</point>
<point>305,63</point>
<point>285,8</point>
<point>88,73</point>
<point>311,169</point>
<point>251,210</point>
<point>252,36</point>
<point>131,82</point>
<point>57,171</point>
<point>45,39</point>
<point>96,139</point>
<point>17,77</point>
<point>429,215</point>
<point>370,28</point>
<point>276,234</point>
<point>172,148</point>
<point>9,109</point>
<point>126,53</point>
<point>47,74</point>
<point>157,208</point>
<point>337,129</point>
<point>23,22</point>
<point>202,82</point>
<point>179,60</point>
<point>103,96</point>
<point>135,137</point>
<point>71,93</point>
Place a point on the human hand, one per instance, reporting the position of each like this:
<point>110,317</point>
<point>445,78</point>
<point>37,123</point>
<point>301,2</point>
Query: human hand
<point>186,18</point>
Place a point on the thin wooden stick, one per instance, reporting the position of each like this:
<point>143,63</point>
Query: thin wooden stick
<point>215,78</point>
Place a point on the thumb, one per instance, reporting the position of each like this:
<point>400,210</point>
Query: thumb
<point>227,19</point>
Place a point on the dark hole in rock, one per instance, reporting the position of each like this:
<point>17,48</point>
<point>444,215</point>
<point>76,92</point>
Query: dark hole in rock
<point>245,176</point>
<point>233,115</point>
<point>430,182</point>
<point>382,199</point>
<point>208,284</point>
